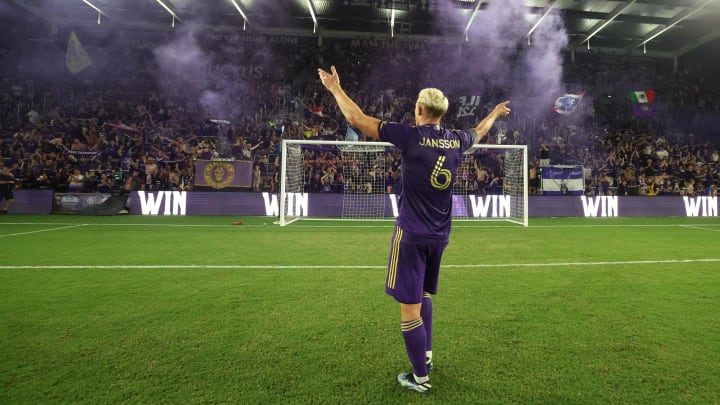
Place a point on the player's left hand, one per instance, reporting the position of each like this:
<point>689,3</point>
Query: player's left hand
<point>331,81</point>
<point>502,110</point>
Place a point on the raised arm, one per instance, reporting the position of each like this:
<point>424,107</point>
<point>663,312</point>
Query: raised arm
<point>500,110</point>
<point>352,113</point>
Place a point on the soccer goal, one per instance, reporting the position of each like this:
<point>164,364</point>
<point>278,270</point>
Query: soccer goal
<point>341,180</point>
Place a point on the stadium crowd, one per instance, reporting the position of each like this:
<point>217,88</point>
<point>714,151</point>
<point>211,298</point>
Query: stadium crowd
<point>132,133</point>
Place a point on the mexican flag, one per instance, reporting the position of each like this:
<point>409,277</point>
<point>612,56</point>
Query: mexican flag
<point>643,103</point>
<point>642,97</point>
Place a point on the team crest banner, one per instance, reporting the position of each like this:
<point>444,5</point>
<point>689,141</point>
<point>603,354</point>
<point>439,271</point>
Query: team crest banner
<point>220,174</point>
<point>567,104</point>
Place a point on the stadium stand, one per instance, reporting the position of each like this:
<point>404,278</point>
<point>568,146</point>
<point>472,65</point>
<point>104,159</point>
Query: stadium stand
<point>119,128</point>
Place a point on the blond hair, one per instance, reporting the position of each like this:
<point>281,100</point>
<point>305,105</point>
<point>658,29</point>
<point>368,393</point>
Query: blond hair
<point>434,101</point>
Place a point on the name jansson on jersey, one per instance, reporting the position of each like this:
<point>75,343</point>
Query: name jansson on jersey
<point>440,143</point>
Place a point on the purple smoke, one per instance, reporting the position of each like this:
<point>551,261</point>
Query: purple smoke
<point>183,64</point>
<point>531,74</point>
<point>215,70</point>
<point>542,65</point>
<point>496,61</point>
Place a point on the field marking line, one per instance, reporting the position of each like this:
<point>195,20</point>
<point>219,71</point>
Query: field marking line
<point>43,230</point>
<point>701,228</point>
<point>90,224</point>
<point>386,226</point>
<point>531,226</point>
<point>310,266</point>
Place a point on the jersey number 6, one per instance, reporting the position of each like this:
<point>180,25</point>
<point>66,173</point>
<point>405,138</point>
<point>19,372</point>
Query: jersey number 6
<point>439,171</point>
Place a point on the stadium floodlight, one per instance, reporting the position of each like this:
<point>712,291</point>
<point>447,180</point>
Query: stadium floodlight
<point>678,19</point>
<point>365,196</point>
<point>172,13</point>
<point>96,8</point>
<point>545,14</point>
<point>710,36</point>
<point>392,23</point>
<point>242,13</point>
<point>312,14</point>
<point>613,15</point>
<point>472,18</point>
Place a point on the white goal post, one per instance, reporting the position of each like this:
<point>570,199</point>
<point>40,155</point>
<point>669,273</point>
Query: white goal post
<point>342,180</point>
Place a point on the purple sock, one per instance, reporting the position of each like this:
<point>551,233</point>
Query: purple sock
<point>415,339</point>
<point>426,313</point>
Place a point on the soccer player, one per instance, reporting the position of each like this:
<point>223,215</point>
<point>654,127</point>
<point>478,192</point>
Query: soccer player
<point>430,157</point>
<point>7,182</point>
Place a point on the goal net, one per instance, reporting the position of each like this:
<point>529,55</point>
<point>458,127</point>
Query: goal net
<point>331,180</point>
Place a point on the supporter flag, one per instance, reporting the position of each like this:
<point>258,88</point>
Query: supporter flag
<point>76,58</point>
<point>317,110</point>
<point>122,127</point>
<point>643,102</point>
<point>468,106</point>
<point>352,134</point>
<point>642,97</point>
<point>568,103</point>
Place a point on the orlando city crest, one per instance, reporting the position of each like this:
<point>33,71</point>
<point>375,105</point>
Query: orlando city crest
<point>219,174</point>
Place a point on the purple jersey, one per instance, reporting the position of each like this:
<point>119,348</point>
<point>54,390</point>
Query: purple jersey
<point>430,159</point>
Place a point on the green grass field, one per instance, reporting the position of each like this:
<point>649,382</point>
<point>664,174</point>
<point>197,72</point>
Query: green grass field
<point>191,310</point>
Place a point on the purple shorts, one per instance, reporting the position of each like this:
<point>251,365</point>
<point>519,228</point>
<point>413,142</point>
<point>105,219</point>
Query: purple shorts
<point>413,266</point>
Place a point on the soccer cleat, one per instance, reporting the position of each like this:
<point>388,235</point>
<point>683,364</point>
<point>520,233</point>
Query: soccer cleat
<point>407,381</point>
<point>429,364</point>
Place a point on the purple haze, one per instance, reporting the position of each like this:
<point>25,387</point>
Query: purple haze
<point>496,61</point>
